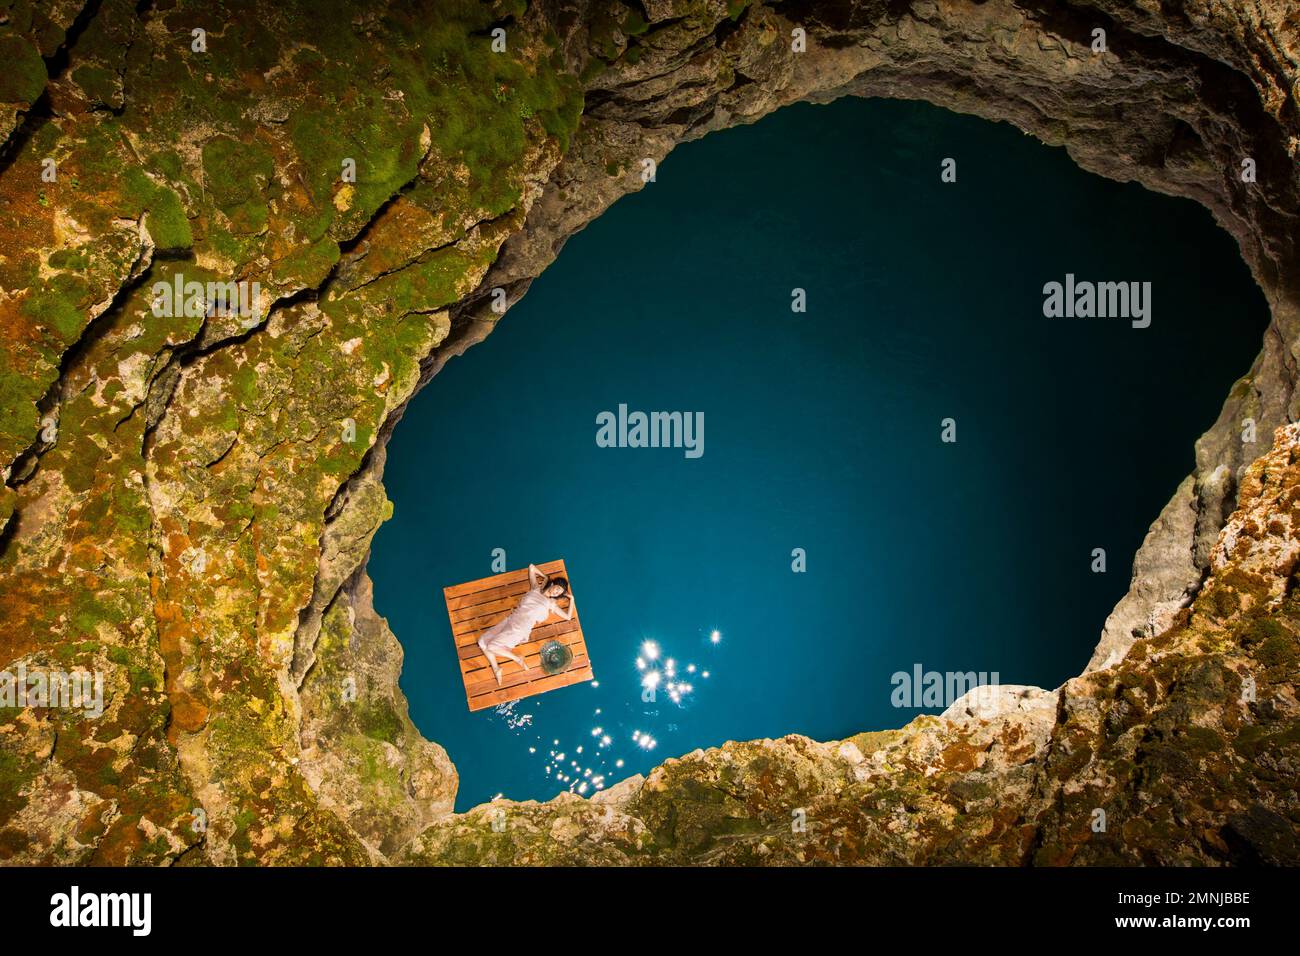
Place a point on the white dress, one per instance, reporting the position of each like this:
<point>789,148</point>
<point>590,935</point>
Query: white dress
<point>534,607</point>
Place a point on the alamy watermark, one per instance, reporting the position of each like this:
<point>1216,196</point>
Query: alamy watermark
<point>1101,300</point>
<point>651,430</point>
<point>193,299</point>
<point>922,688</point>
<point>74,908</point>
<point>77,690</point>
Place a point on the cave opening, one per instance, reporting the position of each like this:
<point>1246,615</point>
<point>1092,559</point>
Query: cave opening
<point>923,473</point>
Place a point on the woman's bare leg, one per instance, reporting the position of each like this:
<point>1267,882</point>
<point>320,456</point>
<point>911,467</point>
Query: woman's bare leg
<point>486,648</point>
<point>514,657</point>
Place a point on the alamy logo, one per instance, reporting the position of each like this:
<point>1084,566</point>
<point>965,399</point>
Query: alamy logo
<point>651,430</point>
<point>193,299</point>
<point>1101,300</point>
<point>103,909</point>
<point>79,690</point>
<point>922,688</point>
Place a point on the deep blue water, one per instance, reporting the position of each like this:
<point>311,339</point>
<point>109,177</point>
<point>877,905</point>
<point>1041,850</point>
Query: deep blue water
<point>822,432</point>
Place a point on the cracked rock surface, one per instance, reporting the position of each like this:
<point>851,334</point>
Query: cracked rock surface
<point>189,495</point>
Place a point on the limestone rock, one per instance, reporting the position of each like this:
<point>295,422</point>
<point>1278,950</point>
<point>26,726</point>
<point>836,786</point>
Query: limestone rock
<point>188,496</point>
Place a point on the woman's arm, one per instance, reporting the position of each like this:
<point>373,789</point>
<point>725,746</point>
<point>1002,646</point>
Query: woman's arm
<point>567,614</point>
<point>535,577</point>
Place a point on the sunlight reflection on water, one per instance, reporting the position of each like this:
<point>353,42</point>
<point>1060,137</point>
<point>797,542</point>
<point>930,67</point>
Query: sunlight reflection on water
<point>581,768</point>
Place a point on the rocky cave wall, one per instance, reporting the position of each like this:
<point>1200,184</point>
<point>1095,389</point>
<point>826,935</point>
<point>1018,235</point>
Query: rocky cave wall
<point>188,500</point>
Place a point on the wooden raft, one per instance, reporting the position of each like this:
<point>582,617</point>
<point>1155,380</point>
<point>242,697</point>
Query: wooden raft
<point>477,605</point>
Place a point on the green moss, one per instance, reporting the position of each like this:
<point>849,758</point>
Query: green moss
<point>426,284</point>
<point>16,775</point>
<point>236,174</point>
<point>510,9</point>
<point>23,78</point>
<point>141,678</point>
<point>261,194</point>
<point>479,100</point>
<point>384,149</point>
<point>7,501</point>
<point>1261,630</point>
<point>379,721</point>
<point>167,222</point>
<point>1220,603</point>
<point>97,83</point>
<point>60,306</point>
<point>244,387</point>
<point>234,248</point>
<point>67,259</point>
<point>1279,650</point>
<point>634,24</point>
<point>309,265</point>
<point>594,68</point>
<point>374,766</point>
<point>130,514</point>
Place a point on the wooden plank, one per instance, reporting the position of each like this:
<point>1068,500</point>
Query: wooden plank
<point>491,594</point>
<point>476,612</point>
<point>470,635</point>
<point>475,668</point>
<point>481,681</point>
<point>487,602</point>
<point>468,645</point>
<point>505,695</point>
<point>472,659</point>
<point>496,580</point>
<point>475,606</point>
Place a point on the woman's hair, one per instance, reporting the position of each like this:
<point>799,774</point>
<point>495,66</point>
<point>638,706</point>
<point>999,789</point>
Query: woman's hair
<point>552,582</point>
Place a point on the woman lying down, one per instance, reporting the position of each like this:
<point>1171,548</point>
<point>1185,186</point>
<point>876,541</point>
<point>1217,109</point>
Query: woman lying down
<point>537,605</point>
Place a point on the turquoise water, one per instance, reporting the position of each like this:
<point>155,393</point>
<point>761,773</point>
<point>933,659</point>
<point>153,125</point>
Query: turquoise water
<point>822,433</point>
